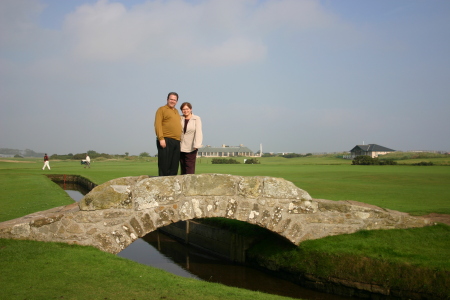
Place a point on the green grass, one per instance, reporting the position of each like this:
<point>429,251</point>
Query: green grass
<point>412,189</point>
<point>402,248</point>
<point>409,259</point>
<point>38,270</point>
<point>23,194</point>
<point>422,253</point>
<point>399,155</point>
<point>418,190</point>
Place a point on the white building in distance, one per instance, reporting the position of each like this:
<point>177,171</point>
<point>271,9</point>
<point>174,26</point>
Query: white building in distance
<point>225,151</point>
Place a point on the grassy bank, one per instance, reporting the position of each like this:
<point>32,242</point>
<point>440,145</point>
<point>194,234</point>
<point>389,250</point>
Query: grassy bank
<point>38,270</point>
<point>392,259</point>
<point>418,190</point>
<point>412,260</point>
<point>408,158</point>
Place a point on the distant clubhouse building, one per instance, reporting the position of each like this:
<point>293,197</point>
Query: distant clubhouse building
<point>225,151</point>
<point>372,150</point>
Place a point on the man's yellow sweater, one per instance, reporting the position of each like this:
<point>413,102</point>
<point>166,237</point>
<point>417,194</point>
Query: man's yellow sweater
<point>168,123</point>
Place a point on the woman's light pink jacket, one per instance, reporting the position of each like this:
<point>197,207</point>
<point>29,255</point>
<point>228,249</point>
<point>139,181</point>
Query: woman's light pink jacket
<point>193,137</point>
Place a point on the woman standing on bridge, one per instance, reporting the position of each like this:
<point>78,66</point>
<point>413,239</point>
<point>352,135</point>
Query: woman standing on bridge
<point>191,138</point>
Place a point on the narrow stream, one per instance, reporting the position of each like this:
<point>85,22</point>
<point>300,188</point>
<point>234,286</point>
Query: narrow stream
<point>161,251</point>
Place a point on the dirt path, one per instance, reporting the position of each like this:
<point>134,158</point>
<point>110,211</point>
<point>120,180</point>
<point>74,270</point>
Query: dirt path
<point>440,218</point>
<point>17,161</point>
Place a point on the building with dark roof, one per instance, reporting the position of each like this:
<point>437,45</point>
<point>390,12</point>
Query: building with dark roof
<point>372,150</point>
<point>225,151</point>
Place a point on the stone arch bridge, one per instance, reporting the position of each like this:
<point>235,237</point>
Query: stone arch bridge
<point>118,212</point>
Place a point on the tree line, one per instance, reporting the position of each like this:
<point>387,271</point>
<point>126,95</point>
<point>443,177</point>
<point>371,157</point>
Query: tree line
<point>20,153</point>
<point>92,154</point>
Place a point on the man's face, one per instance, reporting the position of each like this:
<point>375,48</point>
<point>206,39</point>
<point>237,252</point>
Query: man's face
<point>172,101</point>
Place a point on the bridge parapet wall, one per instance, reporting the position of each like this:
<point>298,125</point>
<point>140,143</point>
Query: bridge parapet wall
<point>116,213</point>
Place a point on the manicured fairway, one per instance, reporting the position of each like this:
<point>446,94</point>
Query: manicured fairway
<point>413,189</point>
<point>418,190</point>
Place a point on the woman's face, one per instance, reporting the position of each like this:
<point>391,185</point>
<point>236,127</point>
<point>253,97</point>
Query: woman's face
<point>186,111</point>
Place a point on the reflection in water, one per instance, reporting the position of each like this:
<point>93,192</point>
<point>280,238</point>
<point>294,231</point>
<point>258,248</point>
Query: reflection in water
<point>142,252</point>
<point>74,190</point>
<point>159,250</point>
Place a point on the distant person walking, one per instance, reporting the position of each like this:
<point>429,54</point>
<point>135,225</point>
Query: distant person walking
<point>191,139</point>
<point>168,136</point>
<point>46,162</point>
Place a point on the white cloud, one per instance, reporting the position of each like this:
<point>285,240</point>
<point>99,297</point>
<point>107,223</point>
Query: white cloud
<point>214,33</point>
<point>293,15</point>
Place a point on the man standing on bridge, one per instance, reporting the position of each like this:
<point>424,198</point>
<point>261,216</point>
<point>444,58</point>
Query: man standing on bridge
<point>168,136</point>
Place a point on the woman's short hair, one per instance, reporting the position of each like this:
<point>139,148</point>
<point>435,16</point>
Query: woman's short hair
<point>186,104</point>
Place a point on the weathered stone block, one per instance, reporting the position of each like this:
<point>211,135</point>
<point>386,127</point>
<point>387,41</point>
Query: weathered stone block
<point>116,214</point>
<point>250,187</point>
<point>74,228</point>
<point>303,207</point>
<point>120,239</point>
<point>282,189</point>
<point>254,212</point>
<point>112,194</point>
<point>19,230</point>
<point>88,217</point>
<point>209,185</point>
<point>166,216</point>
<point>328,205</point>
<point>186,210</point>
<point>197,207</point>
<point>104,242</point>
<point>112,222</point>
<point>53,228</point>
<point>137,227</point>
<point>156,191</point>
<point>45,221</point>
<point>231,208</point>
<point>131,234</point>
<point>148,223</point>
<point>92,231</point>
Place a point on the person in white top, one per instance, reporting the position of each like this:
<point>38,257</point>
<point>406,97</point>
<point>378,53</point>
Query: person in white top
<point>88,161</point>
<point>191,139</point>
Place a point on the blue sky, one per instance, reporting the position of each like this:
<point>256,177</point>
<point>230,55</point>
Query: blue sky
<point>292,75</point>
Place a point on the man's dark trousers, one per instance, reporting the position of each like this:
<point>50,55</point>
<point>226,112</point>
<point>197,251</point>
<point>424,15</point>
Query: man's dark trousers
<point>169,157</point>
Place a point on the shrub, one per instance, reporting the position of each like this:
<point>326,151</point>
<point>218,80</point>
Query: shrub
<point>224,161</point>
<point>92,154</point>
<point>292,155</point>
<point>144,154</point>
<point>252,161</point>
<point>64,156</point>
<point>132,157</point>
<point>365,160</point>
<point>387,162</point>
<point>423,163</point>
